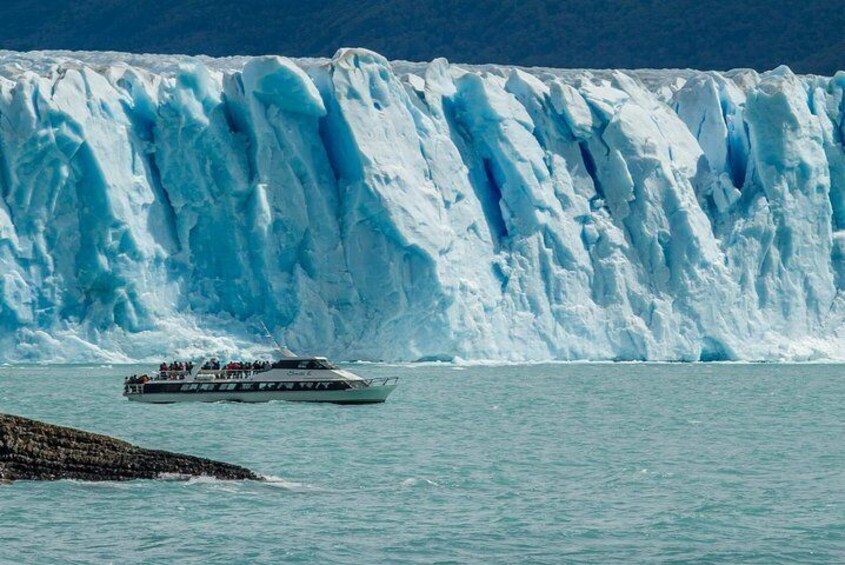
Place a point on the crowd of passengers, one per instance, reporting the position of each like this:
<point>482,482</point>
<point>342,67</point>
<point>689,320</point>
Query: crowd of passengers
<point>178,371</point>
<point>237,369</point>
<point>175,371</point>
<point>138,379</point>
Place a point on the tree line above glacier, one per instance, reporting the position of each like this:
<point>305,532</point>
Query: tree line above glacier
<point>702,34</point>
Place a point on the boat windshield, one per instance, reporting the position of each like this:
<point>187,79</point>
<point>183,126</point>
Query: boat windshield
<point>303,364</point>
<point>319,364</point>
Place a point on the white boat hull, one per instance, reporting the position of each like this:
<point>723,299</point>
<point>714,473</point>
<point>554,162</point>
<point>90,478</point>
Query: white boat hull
<point>367,395</point>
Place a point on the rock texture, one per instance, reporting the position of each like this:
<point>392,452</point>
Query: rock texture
<point>32,450</point>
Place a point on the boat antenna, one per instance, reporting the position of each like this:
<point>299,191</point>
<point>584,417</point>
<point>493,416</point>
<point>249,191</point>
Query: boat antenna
<point>284,351</point>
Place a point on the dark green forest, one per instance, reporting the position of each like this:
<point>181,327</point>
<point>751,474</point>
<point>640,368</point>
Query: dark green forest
<point>762,34</point>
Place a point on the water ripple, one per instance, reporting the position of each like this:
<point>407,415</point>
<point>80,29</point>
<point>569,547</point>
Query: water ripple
<point>496,464</point>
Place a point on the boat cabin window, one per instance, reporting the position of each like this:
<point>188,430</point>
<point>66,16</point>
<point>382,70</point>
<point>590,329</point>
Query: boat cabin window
<point>303,364</point>
<point>316,364</point>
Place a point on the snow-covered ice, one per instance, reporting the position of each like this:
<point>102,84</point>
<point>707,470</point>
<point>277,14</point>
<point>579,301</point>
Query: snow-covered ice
<point>400,211</point>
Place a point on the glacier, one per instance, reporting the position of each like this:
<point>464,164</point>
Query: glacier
<point>374,210</point>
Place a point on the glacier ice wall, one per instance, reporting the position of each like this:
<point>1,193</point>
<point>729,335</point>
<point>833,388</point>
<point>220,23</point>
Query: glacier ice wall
<point>369,210</point>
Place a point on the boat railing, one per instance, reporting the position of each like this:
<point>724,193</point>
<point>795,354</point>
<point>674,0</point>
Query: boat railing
<point>227,374</point>
<point>382,381</point>
<point>134,388</point>
<point>177,375</point>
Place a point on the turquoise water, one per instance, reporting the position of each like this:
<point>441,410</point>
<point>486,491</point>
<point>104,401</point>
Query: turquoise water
<point>546,464</point>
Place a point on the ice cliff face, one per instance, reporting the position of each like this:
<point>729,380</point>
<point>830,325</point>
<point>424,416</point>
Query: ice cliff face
<point>366,210</point>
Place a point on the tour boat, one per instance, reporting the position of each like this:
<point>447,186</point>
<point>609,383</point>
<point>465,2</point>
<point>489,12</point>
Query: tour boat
<point>299,379</point>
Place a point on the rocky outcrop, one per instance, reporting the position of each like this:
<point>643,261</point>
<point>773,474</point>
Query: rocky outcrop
<point>32,450</point>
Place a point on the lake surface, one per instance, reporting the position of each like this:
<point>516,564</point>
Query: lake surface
<point>592,463</point>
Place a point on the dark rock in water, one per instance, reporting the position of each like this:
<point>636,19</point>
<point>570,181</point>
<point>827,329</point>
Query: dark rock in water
<point>31,450</point>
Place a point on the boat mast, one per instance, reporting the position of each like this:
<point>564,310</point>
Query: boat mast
<point>283,351</point>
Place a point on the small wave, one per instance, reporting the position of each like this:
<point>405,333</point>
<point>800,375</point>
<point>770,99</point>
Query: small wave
<point>202,480</point>
<point>177,477</point>
<point>102,484</point>
<point>414,481</point>
<point>292,486</point>
<point>218,485</point>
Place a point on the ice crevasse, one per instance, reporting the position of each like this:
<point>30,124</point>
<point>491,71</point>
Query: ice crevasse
<point>365,209</point>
